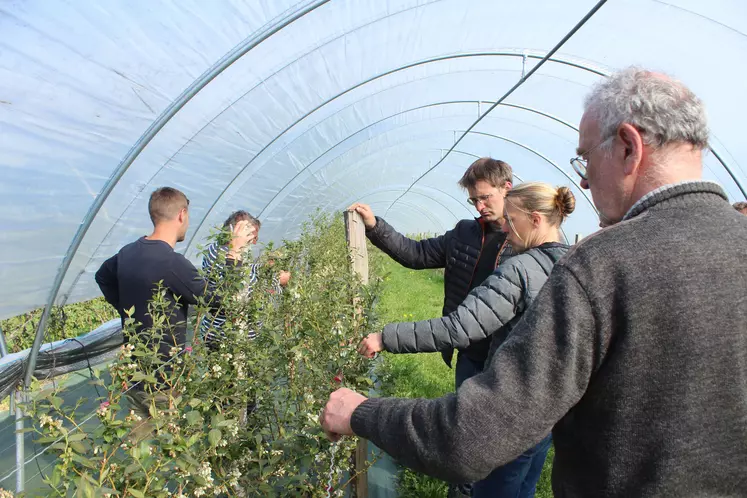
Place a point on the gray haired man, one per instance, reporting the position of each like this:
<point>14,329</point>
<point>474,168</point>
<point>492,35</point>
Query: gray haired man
<point>635,351</point>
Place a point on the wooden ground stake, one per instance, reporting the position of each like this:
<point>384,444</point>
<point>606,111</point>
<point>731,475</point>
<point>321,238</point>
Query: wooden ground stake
<point>355,231</point>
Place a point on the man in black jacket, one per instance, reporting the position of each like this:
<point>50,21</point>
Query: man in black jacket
<point>468,253</point>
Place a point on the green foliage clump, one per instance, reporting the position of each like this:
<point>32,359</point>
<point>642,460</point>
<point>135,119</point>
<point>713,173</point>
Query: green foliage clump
<point>64,322</point>
<point>236,418</point>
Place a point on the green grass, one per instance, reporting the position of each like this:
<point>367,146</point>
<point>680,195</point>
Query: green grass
<point>417,295</point>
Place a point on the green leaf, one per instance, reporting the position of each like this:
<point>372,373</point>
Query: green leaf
<point>76,446</point>
<point>214,437</point>
<point>194,402</point>
<point>131,468</point>
<point>83,461</point>
<point>194,438</point>
<point>56,401</point>
<point>77,437</point>
<point>194,418</point>
<point>56,478</point>
<point>137,494</point>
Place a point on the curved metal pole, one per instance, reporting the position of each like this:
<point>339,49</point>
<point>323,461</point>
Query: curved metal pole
<point>3,344</point>
<point>396,188</point>
<point>262,82</point>
<point>733,176</point>
<point>305,168</point>
<point>301,211</point>
<point>374,78</point>
<point>435,104</point>
<point>427,214</point>
<point>388,188</point>
<point>546,159</point>
<point>428,187</point>
<point>448,210</point>
<point>458,151</point>
<point>521,81</point>
<point>361,130</point>
<point>135,151</point>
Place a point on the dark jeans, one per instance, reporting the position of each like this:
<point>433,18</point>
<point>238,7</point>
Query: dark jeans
<point>517,479</point>
<point>466,368</point>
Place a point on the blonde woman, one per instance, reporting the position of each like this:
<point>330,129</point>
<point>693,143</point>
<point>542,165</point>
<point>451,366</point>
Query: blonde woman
<point>533,214</point>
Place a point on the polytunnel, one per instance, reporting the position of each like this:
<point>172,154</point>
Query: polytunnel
<point>282,107</point>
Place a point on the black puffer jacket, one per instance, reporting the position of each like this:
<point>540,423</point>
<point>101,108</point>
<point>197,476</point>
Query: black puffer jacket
<point>457,251</point>
<point>488,313</point>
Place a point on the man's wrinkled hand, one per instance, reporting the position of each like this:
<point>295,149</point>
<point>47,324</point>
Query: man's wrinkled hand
<point>370,345</point>
<point>336,415</point>
<point>365,211</point>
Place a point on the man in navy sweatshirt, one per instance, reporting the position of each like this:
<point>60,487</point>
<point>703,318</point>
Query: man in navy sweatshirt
<point>130,277</point>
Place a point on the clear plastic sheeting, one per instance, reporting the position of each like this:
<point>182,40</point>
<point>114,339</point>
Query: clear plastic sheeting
<point>353,100</point>
<point>64,356</point>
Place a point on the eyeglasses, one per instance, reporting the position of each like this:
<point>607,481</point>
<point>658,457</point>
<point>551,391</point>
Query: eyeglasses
<point>580,164</point>
<point>480,198</point>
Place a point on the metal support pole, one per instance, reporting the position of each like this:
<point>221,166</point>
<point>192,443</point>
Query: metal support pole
<point>3,345</point>
<point>209,75</point>
<point>20,465</point>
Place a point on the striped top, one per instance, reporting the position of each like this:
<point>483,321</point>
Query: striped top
<point>212,265</point>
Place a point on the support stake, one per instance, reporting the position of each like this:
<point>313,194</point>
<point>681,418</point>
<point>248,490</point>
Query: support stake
<point>355,232</point>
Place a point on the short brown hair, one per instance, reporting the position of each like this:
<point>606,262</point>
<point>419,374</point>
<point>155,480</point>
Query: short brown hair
<point>240,215</point>
<point>740,206</point>
<point>165,204</point>
<point>493,171</point>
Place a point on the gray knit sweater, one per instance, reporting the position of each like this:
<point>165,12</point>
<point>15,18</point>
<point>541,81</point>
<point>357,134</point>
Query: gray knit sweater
<point>634,353</point>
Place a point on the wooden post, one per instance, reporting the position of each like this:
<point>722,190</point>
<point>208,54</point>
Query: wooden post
<point>355,231</point>
<point>356,235</point>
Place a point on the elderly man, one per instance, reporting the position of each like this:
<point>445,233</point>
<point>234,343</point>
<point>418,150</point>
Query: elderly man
<point>635,351</point>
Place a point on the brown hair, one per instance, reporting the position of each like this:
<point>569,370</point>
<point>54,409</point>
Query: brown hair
<point>555,203</point>
<point>740,206</point>
<point>240,215</point>
<point>493,171</point>
<point>165,204</point>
